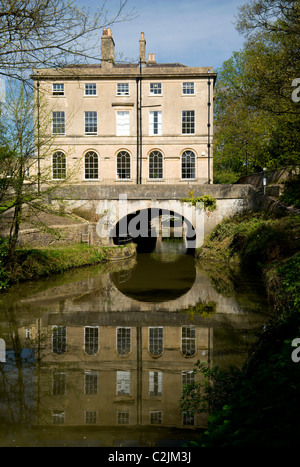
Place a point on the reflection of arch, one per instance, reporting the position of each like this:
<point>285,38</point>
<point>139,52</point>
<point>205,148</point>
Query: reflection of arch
<point>123,165</point>
<point>2,351</point>
<point>155,281</point>
<point>91,165</point>
<point>155,164</point>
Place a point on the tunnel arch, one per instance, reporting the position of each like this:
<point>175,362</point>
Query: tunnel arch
<point>139,227</point>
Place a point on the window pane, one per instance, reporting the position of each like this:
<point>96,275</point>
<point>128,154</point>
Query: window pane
<point>123,123</point>
<point>90,382</point>
<point>123,383</point>
<point>90,123</point>
<point>155,383</point>
<point>155,418</point>
<point>123,89</point>
<point>123,418</point>
<point>155,164</point>
<point>188,121</point>
<point>58,121</point>
<point>123,165</point>
<point>58,166</point>
<point>58,89</point>
<point>91,339</point>
<point>156,341</point>
<point>91,165</point>
<point>90,416</point>
<point>155,88</point>
<point>58,383</point>
<point>58,417</point>
<point>155,123</point>
<point>123,340</point>
<point>188,88</point>
<point>90,89</point>
<point>188,165</point>
<point>59,339</point>
<point>188,341</point>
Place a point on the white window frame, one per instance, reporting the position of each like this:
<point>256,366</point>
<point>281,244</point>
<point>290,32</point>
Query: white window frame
<point>158,168</point>
<point>188,88</point>
<point>98,340</point>
<point>123,179</point>
<point>59,122</point>
<point>188,118</point>
<point>155,388</point>
<point>88,115</point>
<point>60,91</point>
<point>188,341</point>
<point>86,88</point>
<point>159,338</point>
<point>155,89</point>
<point>155,415</point>
<point>194,168</point>
<point>91,386</point>
<point>61,168</point>
<point>123,89</point>
<point>120,338</point>
<point>123,123</point>
<point>90,168</point>
<point>123,383</point>
<point>155,123</point>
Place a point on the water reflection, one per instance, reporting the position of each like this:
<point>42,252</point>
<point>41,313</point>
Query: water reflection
<point>91,361</point>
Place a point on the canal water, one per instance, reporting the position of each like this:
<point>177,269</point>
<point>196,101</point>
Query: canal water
<point>98,356</point>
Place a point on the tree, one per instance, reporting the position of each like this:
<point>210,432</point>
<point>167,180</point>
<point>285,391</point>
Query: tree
<point>19,178</point>
<point>51,33</point>
<point>257,121</point>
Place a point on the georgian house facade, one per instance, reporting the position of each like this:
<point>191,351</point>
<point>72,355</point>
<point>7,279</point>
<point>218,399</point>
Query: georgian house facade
<point>128,123</point>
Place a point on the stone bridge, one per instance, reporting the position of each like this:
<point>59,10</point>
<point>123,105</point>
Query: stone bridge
<point>126,208</point>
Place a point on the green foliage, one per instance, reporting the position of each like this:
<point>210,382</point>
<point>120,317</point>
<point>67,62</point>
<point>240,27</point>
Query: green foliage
<point>256,119</point>
<point>210,203</point>
<point>209,391</point>
<point>204,309</point>
<point>4,276</point>
<point>35,263</point>
<point>291,192</point>
<point>262,400</point>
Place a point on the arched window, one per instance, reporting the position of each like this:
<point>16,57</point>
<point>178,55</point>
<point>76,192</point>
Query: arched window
<point>123,165</point>
<point>155,164</point>
<point>156,341</point>
<point>123,341</point>
<point>58,166</point>
<point>188,164</point>
<point>188,340</point>
<point>91,166</point>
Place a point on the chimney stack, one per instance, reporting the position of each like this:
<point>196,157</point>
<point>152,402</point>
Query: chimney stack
<point>151,58</point>
<point>143,48</point>
<point>107,49</point>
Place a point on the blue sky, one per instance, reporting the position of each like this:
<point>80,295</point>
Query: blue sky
<point>191,32</point>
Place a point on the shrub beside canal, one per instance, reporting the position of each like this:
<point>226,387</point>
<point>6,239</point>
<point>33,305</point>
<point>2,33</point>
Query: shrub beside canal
<point>33,263</point>
<point>257,405</point>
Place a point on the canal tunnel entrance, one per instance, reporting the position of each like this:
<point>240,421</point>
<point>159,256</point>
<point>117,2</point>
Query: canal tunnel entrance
<point>149,227</point>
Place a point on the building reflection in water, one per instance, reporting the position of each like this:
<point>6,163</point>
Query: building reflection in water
<point>108,361</point>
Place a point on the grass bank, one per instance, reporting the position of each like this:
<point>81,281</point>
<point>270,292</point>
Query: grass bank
<point>256,405</point>
<point>34,263</point>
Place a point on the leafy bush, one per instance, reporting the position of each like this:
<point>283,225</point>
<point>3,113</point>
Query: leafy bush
<point>291,192</point>
<point>209,202</point>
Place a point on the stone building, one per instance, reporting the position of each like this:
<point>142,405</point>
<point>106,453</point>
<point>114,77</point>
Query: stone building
<point>135,123</point>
